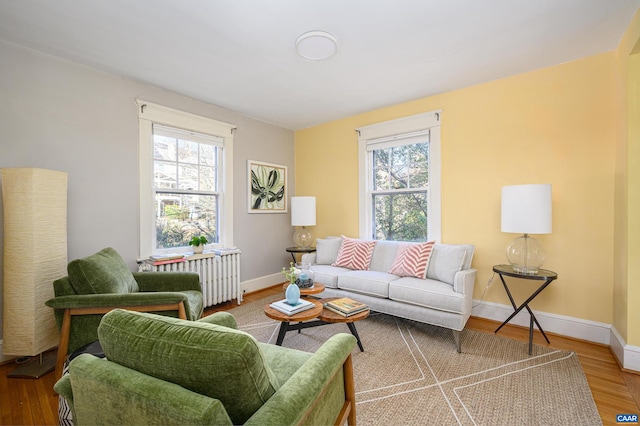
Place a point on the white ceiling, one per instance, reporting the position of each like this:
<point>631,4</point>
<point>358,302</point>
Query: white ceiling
<point>240,54</point>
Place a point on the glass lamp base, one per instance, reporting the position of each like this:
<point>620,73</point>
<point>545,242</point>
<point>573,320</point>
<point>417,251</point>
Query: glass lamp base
<point>302,238</point>
<point>526,255</point>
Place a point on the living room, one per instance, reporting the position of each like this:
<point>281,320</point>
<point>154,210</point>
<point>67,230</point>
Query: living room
<point>573,124</point>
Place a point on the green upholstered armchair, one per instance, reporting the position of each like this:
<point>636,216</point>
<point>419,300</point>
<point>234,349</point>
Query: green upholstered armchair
<point>101,282</point>
<point>162,370</point>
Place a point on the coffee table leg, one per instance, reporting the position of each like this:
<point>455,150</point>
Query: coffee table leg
<point>352,328</point>
<point>283,330</point>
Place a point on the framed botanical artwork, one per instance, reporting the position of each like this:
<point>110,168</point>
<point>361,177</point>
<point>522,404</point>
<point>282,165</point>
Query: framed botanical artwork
<point>267,187</point>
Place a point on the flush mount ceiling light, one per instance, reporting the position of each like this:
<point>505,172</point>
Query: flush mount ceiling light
<point>316,45</point>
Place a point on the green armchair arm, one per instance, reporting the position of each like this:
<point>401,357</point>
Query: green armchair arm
<point>224,319</point>
<point>167,281</point>
<point>115,299</point>
<point>294,402</point>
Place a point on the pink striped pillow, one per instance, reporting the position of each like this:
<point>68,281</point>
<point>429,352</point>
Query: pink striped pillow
<point>412,260</point>
<point>355,254</point>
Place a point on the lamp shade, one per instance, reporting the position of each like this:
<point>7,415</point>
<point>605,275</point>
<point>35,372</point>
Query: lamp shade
<point>526,209</point>
<point>35,255</point>
<point>303,211</point>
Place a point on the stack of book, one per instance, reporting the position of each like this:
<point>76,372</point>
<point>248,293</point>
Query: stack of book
<point>164,259</point>
<point>345,306</point>
<point>286,308</point>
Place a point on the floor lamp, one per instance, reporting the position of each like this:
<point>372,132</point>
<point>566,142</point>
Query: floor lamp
<point>35,255</point>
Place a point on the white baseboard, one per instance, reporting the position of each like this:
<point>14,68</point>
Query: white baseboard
<point>261,283</point>
<point>628,356</point>
<point>560,324</point>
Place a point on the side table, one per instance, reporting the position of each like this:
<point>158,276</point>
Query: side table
<point>541,275</point>
<point>294,250</point>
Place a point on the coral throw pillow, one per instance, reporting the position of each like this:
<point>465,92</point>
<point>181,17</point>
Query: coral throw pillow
<point>355,254</point>
<point>412,260</point>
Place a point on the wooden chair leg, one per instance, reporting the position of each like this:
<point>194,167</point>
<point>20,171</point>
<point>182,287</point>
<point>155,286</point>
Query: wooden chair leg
<point>63,346</point>
<point>350,390</point>
<point>182,314</point>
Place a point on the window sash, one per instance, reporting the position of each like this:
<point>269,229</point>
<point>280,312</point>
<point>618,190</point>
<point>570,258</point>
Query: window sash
<point>406,130</point>
<point>150,114</point>
<point>173,132</point>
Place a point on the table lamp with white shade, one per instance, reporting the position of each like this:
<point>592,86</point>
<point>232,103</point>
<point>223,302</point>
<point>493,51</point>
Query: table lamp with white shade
<point>526,209</point>
<point>303,214</point>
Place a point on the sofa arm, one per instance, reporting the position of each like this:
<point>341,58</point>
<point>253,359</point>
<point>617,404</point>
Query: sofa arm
<point>309,258</point>
<point>130,397</point>
<point>167,281</point>
<point>464,281</point>
<point>309,396</point>
<point>224,319</point>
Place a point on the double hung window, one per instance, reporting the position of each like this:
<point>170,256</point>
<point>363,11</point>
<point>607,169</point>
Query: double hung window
<point>400,179</point>
<point>186,171</point>
<point>186,176</point>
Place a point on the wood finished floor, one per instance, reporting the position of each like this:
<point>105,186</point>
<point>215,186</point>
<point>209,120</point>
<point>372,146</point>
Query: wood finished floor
<point>33,402</point>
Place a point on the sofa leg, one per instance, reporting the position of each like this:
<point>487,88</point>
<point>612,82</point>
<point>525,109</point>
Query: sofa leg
<point>456,337</point>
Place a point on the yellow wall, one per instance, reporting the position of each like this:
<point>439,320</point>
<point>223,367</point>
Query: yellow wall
<point>554,125</point>
<point>626,291</point>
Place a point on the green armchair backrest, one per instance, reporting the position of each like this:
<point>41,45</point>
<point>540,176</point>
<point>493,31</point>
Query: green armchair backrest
<point>100,273</point>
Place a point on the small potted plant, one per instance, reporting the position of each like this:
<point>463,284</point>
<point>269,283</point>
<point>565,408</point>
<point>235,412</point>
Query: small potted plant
<point>198,243</point>
<point>292,293</point>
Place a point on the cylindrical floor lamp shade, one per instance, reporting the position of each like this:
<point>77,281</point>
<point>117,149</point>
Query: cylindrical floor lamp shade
<point>35,255</point>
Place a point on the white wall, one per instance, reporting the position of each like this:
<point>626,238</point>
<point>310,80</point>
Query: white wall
<point>58,115</point>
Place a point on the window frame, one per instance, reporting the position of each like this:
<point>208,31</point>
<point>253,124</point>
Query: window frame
<point>395,133</point>
<point>150,114</point>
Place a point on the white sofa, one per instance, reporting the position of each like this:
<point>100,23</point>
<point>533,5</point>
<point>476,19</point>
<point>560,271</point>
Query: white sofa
<point>443,298</point>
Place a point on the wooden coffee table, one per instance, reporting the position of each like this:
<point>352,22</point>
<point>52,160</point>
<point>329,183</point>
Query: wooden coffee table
<point>313,317</point>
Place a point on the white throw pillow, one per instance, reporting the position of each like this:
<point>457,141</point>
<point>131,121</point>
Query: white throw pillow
<point>327,250</point>
<point>445,261</point>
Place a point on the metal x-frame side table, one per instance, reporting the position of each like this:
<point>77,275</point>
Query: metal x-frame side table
<point>541,275</point>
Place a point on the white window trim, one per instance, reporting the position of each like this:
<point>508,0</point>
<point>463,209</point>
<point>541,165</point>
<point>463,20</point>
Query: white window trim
<point>150,113</point>
<point>390,130</point>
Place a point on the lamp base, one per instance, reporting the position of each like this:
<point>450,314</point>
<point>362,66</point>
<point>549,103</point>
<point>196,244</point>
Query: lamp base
<point>36,368</point>
<point>526,255</point>
<point>302,238</point>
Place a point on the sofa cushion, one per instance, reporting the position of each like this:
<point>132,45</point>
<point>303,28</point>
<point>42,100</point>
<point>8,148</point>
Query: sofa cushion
<point>327,250</point>
<point>208,359</point>
<point>383,254</point>
<point>372,283</point>
<point>328,275</point>
<point>100,273</point>
<point>428,293</point>
<point>445,261</point>
<point>411,260</point>
<point>355,254</point>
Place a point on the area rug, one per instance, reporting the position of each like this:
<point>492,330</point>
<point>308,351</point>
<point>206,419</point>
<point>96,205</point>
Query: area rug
<point>411,374</point>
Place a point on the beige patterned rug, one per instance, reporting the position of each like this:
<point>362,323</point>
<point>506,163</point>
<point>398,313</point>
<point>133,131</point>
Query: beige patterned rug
<point>411,374</point>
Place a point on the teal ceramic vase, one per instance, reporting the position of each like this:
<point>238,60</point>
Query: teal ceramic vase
<point>292,294</point>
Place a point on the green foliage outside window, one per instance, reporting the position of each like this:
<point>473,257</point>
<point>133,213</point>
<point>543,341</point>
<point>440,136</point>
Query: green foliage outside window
<point>400,192</point>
